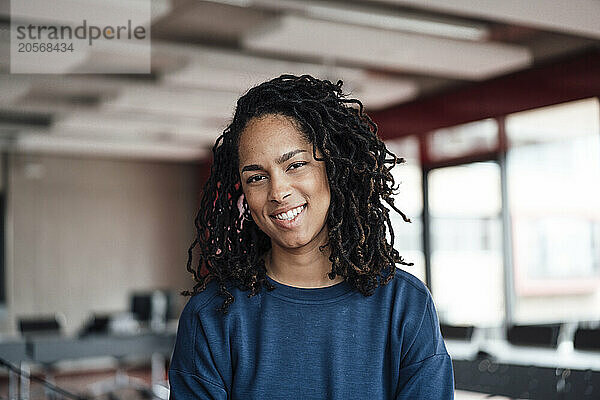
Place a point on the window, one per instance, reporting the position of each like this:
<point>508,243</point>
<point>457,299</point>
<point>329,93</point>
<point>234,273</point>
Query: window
<point>3,195</point>
<point>552,199</point>
<point>466,244</point>
<point>463,140</point>
<point>553,175</point>
<point>408,237</point>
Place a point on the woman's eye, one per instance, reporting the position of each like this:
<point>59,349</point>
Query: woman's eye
<point>297,164</point>
<point>293,166</point>
<point>252,178</point>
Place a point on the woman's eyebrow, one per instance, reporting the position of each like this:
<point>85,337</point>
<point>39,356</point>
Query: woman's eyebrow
<point>283,158</point>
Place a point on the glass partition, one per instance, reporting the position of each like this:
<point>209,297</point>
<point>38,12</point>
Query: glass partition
<point>408,237</point>
<point>553,176</point>
<point>466,244</point>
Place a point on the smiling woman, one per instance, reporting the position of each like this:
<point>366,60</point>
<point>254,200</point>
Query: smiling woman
<point>287,193</point>
<point>328,313</point>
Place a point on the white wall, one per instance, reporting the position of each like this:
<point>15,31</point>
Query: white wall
<point>82,233</point>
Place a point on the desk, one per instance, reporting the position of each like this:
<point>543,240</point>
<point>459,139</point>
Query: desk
<point>52,349</point>
<point>525,371</point>
<point>15,352</point>
<point>503,352</point>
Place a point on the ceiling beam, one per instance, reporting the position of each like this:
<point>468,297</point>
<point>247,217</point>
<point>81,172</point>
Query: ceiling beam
<point>571,79</point>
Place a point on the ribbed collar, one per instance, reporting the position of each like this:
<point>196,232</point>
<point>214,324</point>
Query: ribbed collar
<point>310,295</point>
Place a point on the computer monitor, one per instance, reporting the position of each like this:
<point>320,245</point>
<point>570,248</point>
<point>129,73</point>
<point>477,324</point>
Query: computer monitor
<point>158,303</point>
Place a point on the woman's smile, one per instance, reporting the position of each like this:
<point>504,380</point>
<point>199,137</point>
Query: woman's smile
<point>290,219</point>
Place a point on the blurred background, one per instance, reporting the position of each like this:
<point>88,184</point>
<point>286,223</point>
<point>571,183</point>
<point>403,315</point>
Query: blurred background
<point>494,106</point>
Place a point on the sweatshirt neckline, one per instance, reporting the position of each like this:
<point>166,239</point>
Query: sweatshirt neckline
<point>310,295</point>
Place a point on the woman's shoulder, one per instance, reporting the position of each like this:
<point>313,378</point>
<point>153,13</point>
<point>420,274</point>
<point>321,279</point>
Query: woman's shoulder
<point>408,289</point>
<point>210,299</point>
<point>410,282</point>
<point>201,300</point>
<point>418,317</point>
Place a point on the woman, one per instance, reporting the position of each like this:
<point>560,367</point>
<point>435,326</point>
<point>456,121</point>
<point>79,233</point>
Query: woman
<point>298,295</point>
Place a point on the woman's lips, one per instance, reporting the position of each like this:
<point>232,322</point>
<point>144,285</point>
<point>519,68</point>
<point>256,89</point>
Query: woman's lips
<point>290,224</point>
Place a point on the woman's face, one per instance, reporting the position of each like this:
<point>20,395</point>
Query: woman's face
<point>285,187</point>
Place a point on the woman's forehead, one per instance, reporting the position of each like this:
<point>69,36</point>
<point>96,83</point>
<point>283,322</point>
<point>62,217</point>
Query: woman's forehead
<point>272,123</point>
<point>272,132</point>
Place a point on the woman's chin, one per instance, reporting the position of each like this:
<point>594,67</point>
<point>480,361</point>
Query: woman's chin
<point>292,243</point>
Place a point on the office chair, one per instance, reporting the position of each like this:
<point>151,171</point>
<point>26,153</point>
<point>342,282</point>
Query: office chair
<point>45,325</point>
<point>587,336</point>
<point>544,335</point>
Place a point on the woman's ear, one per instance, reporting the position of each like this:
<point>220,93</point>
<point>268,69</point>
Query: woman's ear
<point>243,208</point>
<point>240,203</point>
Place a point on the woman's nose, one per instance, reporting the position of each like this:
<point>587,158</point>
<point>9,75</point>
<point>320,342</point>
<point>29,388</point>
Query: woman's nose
<point>280,189</point>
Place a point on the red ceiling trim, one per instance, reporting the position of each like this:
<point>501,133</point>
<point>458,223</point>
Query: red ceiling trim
<point>569,79</point>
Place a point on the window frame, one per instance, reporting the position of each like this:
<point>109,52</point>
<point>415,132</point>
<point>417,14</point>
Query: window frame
<point>499,156</point>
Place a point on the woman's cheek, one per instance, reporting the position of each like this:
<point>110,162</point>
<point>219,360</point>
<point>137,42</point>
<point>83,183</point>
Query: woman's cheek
<point>254,203</point>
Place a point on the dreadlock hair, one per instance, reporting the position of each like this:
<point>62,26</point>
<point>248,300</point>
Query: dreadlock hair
<point>231,244</point>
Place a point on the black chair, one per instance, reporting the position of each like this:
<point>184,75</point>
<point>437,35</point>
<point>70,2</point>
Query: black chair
<point>534,335</point>
<point>40,325</point>
<point>460,332</point>
<point>587,337</point>
<point>97,324</point>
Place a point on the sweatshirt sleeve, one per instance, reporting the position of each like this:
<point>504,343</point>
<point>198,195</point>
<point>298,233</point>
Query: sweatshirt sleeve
<point>192,372</point>
<point>426,372</point>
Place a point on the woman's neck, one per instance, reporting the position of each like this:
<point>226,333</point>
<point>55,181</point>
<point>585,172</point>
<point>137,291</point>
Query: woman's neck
<point>306,269</point>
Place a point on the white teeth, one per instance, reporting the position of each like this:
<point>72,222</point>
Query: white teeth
<point>290,214</point>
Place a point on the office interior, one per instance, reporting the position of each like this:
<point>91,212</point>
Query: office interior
<point>494,106</point>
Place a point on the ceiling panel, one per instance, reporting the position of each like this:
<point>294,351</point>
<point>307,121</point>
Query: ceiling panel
<point>44,143</point>
<point>70,11</point>
<point>105,124</point>
<point>235,72</point>
<point>195,20</point>
<point>397,51</point>
<point>356,13</point>
<point>174,102</point>
<point>579,17</point>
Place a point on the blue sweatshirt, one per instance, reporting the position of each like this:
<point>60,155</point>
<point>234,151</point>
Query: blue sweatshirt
<point>321,343</point>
